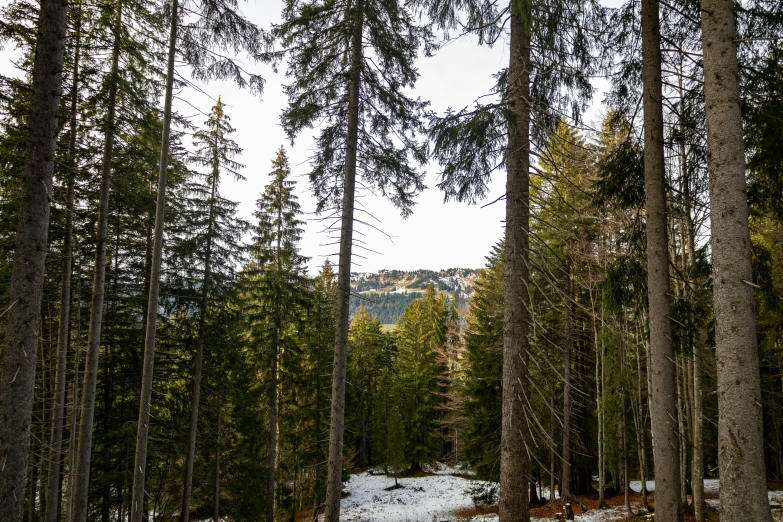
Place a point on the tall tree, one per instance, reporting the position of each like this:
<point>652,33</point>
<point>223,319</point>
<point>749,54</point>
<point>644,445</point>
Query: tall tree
<point>276,288</point>
<point>85,446</point>
<point>53,496</point>
<point>24,314</point>
<point>740,435</point>
<point>219,27</point>
<point>215,233</point>
<point>663,412</point>
<point>354,86</point>
<point>421,334</point>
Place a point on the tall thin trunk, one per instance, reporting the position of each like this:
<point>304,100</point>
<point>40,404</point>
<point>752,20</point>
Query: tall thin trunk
<point>84,444</point>
<point>552,461</point>
<point>17,382</point>
<point>567,480</point>
<point>662,366</point>
<point>145,398</point>
<point>334,483</point>
<point>53,483</point>
<point>681,432</point>
<point>514,459</point>
<point>216,502</point>
<point>69,496</point>
<point>743,485</point>
<point>697,465</point>
<point>197,371</point>
<point>626,484</point>
<point>640,424</point>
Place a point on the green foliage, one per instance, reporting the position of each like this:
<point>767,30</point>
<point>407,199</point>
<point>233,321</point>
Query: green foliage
<point>421,332</point>
<point>388,151</point>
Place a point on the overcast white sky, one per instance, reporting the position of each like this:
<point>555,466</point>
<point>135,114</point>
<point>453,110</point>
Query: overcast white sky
<point>438,235</point>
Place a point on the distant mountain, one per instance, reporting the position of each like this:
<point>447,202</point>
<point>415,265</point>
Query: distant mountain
<point>387,293</point>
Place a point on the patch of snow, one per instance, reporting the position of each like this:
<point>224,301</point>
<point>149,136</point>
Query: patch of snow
<point>422,499</point>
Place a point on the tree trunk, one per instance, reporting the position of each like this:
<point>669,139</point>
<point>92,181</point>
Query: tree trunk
<point>53,482</point>
<point>145,399</point>
<point>216,503</point>
<point>697,466</point>
<point>334,482</point>
<point>514,460</point>
<point>743,485</point>
<point>23,325</point>
<point>567,479</point>
<point>552,458</point>
<point>69,496</point>
<point>84,443</point>
<point>205,284</point>
<point>681,432</point>
<point>662,366</point>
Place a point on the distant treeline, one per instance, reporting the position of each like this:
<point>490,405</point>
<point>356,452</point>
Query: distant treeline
<point>387,306</point>
<point>415,279</point>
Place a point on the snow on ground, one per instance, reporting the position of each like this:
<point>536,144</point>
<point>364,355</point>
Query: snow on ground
<point>435,498</point>
<point>710,485</point>
<point>422,499</point>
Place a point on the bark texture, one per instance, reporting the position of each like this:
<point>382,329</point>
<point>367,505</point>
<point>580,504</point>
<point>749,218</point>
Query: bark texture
<point>334,482</point>
<point>51,509</point>
<point>145,399</point>
<point>84,444</point>
<point>514,460</point>
<point>27,275</point>
<point>743,488</point>
<point>662,369</point>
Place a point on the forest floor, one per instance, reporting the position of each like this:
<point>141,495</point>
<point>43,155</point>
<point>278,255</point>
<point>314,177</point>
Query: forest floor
<point>440,495</point>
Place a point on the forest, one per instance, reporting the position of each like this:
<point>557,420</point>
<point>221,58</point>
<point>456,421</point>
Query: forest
<point>619,355</point>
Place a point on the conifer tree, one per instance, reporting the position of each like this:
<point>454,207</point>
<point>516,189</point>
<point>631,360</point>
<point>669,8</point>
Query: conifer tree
<point>364,343</point>
<point>219,26</point>
<point>24,315</point>
<point>740,432</point>
<point>421,332</point>
<point>212,239</point>
<point>549,62</point>
<point>276,292</point>
<point>353,87</point>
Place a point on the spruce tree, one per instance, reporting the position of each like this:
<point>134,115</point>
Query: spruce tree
<point>353,88</point>
<point>740,432</point>
<point>24,314</point>
<point>207,247</point>
<point>421,332</point>
<point>549,64</point>
<point>276,292</point>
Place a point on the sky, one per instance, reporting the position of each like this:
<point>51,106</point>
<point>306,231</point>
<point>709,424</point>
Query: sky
<point>438,235</point>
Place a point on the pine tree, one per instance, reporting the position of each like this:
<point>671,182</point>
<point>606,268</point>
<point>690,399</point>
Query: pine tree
<point>212,238</point>
<point>24,314</point>
<point>740,432</point>
<point>353,88</point>
<point>364,350</point>
<point>276,292</point>
<point>421,332</point>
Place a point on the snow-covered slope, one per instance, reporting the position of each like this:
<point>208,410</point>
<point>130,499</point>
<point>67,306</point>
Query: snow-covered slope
<point>436,498</point>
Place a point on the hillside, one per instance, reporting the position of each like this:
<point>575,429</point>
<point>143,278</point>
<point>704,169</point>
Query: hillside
<point>387,293</point>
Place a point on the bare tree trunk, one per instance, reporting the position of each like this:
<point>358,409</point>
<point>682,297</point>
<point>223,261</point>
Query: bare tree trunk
<point>662,366</point>
<point>681,432</point>
<point>69,496</point>
<point>334,482</point>
<point>514,504</point>
<point>552,436</point>
<point>567,479</point>
<point>84,444</point>
<point>697,466</point>
<point>145,398</point>
<point>53,483</point>
<point>743,487</point>
<point>23,325</point>
<point>216,503</point>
